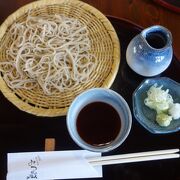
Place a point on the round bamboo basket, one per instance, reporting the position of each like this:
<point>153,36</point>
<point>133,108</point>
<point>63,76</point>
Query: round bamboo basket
<point>104,45</point>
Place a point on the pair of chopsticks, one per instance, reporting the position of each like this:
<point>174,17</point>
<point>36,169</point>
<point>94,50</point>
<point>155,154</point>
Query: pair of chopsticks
<point>135,157</point>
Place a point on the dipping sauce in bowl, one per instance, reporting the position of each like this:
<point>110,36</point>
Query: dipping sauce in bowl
<point>98,124</point>
<point>99,120</point>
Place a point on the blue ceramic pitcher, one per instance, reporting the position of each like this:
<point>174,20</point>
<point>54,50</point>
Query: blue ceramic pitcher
<point>150,52</point>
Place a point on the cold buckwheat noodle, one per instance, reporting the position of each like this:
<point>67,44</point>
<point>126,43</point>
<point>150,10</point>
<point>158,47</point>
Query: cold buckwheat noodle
<point>50,51</point>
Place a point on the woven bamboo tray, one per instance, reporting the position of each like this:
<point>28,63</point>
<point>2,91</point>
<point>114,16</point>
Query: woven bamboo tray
<point>105,46</point>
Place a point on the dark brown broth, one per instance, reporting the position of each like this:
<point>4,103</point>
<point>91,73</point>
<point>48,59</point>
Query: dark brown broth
<point>98,124</point>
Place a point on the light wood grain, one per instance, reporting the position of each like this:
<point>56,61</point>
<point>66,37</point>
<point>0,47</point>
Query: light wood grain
<point>135,157</point>
<point>50,144</point>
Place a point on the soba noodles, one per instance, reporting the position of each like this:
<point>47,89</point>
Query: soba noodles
<point>50,51</point>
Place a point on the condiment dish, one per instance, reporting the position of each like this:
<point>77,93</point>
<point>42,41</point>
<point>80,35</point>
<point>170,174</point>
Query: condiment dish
<point>146,116</point>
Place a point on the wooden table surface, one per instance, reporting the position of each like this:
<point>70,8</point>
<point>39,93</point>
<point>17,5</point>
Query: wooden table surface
<point>141,12</point>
